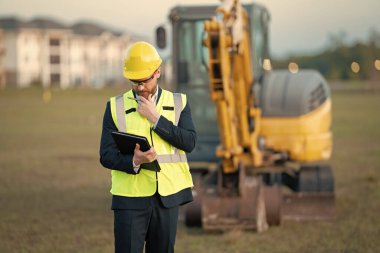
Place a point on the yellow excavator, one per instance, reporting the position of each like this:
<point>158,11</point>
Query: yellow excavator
<point>264,136</point>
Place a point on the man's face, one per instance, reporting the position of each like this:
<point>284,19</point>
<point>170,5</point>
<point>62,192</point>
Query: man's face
<point>145,87</point>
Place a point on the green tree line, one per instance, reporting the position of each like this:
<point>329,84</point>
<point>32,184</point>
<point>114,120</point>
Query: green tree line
<point>335,62</point>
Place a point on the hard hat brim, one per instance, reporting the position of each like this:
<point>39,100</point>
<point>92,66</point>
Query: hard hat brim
<point>136,75</point>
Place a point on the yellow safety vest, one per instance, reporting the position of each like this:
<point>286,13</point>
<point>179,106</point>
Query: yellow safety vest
<point>175,173</point>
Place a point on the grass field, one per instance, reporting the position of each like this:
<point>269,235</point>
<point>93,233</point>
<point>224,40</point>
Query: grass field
<point>54,194</point>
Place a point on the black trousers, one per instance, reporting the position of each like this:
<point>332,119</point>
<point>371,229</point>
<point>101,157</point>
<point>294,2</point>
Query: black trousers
<point>156,226</point>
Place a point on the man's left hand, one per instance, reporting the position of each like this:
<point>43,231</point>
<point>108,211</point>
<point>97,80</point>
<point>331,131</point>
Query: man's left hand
<point>147,108</point>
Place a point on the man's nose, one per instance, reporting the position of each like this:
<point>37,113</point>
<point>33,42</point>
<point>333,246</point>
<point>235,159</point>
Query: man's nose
<point>140,87</point>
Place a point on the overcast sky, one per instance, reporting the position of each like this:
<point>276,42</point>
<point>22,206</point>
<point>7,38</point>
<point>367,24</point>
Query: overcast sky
<point>296,25</point>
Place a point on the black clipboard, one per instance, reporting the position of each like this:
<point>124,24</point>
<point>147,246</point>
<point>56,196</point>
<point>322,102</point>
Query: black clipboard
<point>126,143</point>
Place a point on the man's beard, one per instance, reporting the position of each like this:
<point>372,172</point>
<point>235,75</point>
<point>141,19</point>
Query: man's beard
<point>146,93</point>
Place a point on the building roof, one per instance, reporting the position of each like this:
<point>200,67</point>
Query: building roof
<point>46,23</point>
<point>90,28</point>
<point>82,28</point>
<point>11,23</point>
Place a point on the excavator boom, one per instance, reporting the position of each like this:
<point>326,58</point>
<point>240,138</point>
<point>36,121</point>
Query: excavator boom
<point>231,81</point>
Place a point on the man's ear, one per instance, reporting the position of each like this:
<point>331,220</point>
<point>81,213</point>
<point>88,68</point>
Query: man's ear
<point>158,72</point>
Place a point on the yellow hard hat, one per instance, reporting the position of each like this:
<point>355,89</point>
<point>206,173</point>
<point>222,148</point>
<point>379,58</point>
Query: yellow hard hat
<point>141,61</point>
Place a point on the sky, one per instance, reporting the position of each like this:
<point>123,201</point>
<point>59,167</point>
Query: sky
<point>297,26</point>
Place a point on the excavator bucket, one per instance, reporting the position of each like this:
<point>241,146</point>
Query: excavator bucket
<point>246,211</point>
<point>308,206</point>
<point>257,205</point>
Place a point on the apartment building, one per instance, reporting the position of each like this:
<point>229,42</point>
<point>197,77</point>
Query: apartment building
<point>43,51</point>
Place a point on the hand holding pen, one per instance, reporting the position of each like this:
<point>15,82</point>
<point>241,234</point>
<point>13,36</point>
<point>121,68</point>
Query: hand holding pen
<point>147,108</point>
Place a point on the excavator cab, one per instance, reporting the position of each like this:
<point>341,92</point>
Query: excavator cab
<point>291,129</point>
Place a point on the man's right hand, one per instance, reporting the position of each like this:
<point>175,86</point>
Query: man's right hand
<point>140,157</point>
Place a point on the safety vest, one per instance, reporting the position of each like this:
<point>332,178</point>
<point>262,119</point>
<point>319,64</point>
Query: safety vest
<point>174,175</point>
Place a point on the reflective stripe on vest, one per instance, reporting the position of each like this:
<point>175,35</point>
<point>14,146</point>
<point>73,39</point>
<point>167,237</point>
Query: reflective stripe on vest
<point>177,104</point>
<point>176,158</point>
<point>177,107</point>
<point>120,114</point>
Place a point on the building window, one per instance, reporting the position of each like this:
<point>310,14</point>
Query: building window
<point>55,78</point>
<point>54,42</point>
<point>55,59</point>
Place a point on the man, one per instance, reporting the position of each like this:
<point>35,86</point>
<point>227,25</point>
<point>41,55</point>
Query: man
<point>145,202</point>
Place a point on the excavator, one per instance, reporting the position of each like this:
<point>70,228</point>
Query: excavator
<point>264,135</point>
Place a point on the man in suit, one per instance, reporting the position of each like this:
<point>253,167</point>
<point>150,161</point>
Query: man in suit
<point>145,202</point>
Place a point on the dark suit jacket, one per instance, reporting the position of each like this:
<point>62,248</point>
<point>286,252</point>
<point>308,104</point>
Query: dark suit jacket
<point>182,137</point>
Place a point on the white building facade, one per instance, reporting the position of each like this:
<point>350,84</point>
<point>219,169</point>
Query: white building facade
<point>47,53</point>
<point>2,67</point>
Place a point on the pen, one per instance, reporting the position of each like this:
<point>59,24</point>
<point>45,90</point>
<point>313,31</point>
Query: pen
<point>136,99</point>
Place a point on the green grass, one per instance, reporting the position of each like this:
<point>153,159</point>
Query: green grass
<point>54,194</point>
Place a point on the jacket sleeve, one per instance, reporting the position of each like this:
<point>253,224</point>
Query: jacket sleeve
<point>110,156</point>
<point>182,136</point>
